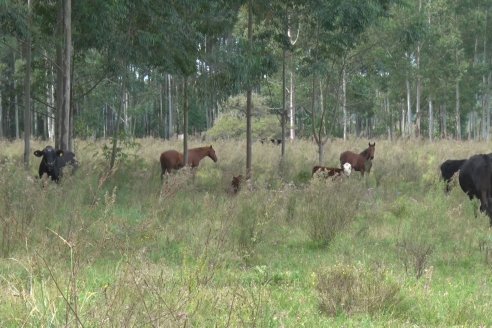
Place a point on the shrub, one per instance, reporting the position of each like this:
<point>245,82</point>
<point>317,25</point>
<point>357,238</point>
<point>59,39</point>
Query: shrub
<point>329,207</point>
<point>354,289</point>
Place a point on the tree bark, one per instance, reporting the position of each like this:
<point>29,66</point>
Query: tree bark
<point>292,89</point>
<point>418,87</point>
<point>170,131</point>
<point>283,120</point>
<point>409,110</point>
<point>16,107</point>
<point>249,105</point>
<point>458,111</point>
<point>162,120</point>
<point>59,78</point>
<point>27,91</point>
<point>431,120</point>
<point>344,103</point>
<point>64,69</point>
<point>292,107</point>
<point>116,128</point>
<point>1,113</point>
<point>185,121</point>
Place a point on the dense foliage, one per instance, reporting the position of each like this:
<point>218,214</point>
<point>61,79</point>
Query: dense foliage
<point>373,68</point>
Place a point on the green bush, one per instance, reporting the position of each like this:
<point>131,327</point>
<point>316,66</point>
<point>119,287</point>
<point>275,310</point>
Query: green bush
<point>329,207</point>
<point>353,289</point>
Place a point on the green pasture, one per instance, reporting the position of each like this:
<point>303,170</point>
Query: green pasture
<point>123,249</point>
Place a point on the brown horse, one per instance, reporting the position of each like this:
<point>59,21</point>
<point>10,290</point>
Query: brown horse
<point>360,162</point>
<point>174,160</point>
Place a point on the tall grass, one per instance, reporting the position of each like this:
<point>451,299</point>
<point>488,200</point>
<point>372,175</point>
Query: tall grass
<point>122,248</point>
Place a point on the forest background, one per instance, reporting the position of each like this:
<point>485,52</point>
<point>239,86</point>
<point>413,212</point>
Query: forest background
<point>244,69</point>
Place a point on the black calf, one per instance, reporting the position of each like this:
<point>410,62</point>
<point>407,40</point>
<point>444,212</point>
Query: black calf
<point>53,161</point>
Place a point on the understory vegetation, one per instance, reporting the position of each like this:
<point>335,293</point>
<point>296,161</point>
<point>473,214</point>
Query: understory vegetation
<point>123,249</point>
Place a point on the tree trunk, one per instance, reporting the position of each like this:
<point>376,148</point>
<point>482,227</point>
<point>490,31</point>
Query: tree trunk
<point>344,102</point>
<point>487,104</point>
<point>292,107</point>
<point>170,131</point>
<point>162,120</point>
<point>27,91</point>
<point>321,153</point>
<point>67,67</point>
<point>402,121</point>
<point>283,117</point>
<point>458,112</point>
<point>16,109</point>
<point>409,110</point>
<point>292,90</point>
<point>249,105</point>
<point>1,113</point>
<point>418,87</point>
<point>185,121</point>
<point>59,78</point>
<point>431,119</point>
<point>444,129</point>
<point>117,123</point>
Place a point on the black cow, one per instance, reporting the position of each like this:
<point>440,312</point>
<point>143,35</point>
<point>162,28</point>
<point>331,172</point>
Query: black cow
<point>449,168</point>
<point>53,161</point>
<point>476,181</point>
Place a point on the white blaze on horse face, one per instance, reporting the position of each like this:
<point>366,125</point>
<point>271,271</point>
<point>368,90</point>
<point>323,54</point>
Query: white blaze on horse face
<point>347,168</point>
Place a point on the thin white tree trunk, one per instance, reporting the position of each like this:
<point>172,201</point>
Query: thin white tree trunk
<point>50,100</point>
<point>487,106</point>
<point>169,107</point>
<point>344,103</point>
<point>458,112</point>
<point>292,107</point>
<point>409,110</point>
<point>431,119</point>
<point>402,127</point>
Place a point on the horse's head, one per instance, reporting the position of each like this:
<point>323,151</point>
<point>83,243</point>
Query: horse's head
<point>211,153</point>
<point>347,168</point>
<point>370,151</point>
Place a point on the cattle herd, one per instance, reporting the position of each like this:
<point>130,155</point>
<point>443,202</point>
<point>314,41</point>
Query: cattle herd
<point>474,173</point>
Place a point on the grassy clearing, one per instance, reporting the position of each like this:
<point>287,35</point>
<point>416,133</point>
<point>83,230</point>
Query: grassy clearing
<point>122,249</point>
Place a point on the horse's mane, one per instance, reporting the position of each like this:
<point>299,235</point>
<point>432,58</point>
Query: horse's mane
<point>204,148</point>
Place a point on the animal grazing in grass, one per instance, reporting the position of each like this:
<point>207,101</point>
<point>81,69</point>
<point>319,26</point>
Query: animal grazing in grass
<point>272,140</point>
<point>449,168</point>
<point>53,161</point>
<point>236,183</point>
<point>476,181</point>
<point>332,171</point>
<point>360,162</point>
<point>174,160</point>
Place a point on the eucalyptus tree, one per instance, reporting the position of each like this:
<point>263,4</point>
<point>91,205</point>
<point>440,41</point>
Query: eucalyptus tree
<point>335,28</point>
<point>27,88</point>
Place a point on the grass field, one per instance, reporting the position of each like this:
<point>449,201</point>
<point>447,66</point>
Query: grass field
<point>122,249</point>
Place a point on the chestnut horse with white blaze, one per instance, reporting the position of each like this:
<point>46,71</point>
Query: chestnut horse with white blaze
<point>174,160</point>
<point>360,162</point>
